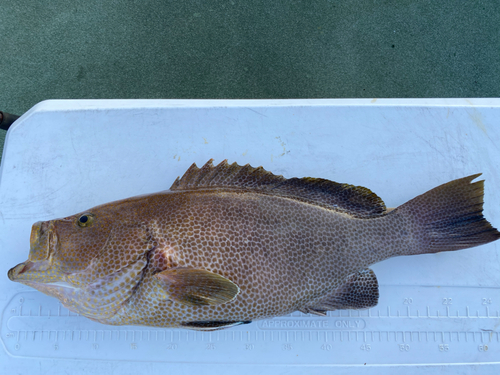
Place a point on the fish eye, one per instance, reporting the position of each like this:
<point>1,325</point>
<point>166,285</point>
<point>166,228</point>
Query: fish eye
<point>85,220</point>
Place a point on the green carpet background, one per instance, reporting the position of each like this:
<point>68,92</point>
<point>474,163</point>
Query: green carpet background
<point>246,49</point>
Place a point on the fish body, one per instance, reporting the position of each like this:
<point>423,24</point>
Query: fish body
<point>227,245</point>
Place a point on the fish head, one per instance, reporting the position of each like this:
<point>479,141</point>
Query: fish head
<point>79,260</point>
<point>62,247</point>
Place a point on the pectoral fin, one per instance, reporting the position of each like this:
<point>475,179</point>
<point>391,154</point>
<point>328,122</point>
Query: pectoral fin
<point>359,291</point>
<point>196,287</point>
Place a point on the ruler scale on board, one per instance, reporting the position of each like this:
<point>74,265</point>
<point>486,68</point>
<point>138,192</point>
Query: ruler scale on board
<point>427,325</point>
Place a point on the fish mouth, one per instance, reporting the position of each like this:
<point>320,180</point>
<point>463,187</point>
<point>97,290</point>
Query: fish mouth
<point>29,271</point>
<point>43,244</point>
<point>14,272</point>
<point>43,241</point>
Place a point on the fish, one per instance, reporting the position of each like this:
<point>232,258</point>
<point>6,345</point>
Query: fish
<point>228,245</point>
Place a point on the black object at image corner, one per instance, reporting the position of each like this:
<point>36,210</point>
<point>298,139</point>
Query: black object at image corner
<point>6,120</point>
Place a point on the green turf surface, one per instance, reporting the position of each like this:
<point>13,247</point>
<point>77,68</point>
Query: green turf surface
<point>246,49</point>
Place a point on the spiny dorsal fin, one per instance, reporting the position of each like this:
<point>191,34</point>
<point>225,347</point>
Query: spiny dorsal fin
<point>355,200</point>
<point>226,175</point>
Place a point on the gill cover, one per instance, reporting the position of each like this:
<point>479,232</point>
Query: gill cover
<point>111,278</point>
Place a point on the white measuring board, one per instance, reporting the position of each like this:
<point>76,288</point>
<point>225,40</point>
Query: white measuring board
<point>439,311</point>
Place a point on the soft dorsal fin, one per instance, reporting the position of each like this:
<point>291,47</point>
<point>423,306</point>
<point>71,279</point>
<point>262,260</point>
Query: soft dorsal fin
<point>355,200</point>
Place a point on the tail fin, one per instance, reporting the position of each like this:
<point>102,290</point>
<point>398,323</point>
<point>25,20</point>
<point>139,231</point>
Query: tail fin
<point>449,217</point>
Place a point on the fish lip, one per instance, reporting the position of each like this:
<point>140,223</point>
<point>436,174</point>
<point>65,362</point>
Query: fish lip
<point>44,238</point>
<point>53,242</point>
<point>16,271</point>
<point>23,271</point>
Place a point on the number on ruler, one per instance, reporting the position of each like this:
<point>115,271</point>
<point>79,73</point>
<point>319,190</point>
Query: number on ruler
<point>443,347</point>
<point>286,347</point>
<point>249,346</point>
<point>326,347</point>
<point>407,301</point>
<point>210,346</point>
<point>483,348</point>
<point>366,347</point>
<point>171,346</point>
<point>486,301</point>
<point>404,347</point>
<point>447,301</point>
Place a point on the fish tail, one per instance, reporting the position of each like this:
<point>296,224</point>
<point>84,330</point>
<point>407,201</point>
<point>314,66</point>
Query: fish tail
<point>448,217</point>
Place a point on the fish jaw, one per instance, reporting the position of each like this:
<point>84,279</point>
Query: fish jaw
<point>38,275</point>
<point>30,272</point>
<point>43,241</point>
<point>99,300</point>
<point>39,267</point>
<point>39,271</point>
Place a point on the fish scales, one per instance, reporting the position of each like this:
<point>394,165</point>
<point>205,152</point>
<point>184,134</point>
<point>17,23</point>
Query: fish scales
<point>227,245</point>
<point>278,251</point>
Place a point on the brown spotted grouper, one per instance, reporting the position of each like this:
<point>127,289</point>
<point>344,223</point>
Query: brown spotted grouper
<point>228,245</point>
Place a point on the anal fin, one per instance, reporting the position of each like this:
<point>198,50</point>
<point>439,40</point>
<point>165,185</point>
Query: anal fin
<point>359,291</point>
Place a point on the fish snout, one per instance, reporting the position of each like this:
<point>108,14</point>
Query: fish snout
<point>41,240</point>
<point>38,230</point>
<point>16,271</point>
